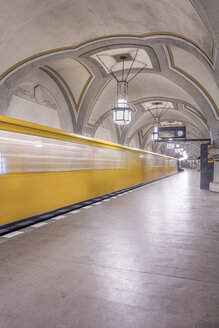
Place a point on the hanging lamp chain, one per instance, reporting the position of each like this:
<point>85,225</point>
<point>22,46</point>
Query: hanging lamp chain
<point>123,58</point>
<point>131,65</point>
<point>109,70</point>
<point>122,112</point>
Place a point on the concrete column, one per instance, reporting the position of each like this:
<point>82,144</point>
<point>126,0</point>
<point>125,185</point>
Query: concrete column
<point>214,132</point>
<point>214,186</point>
<point>214,152</point>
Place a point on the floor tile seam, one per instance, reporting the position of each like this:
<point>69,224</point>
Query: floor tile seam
<point>141,308</point>
<point>159,265</point>
<point>185,269</point>
<point>155,246</point>
<point>154,233</point>
<point>141,272</point>
<point>116,302</point>
<point>183,235</point>
<point>201,252</point>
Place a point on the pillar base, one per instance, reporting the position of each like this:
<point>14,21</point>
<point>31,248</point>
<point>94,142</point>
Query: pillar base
<point>214,186</point>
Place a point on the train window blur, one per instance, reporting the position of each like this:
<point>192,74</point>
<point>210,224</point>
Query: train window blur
<point>2,165</point>
<point>28,153</point>
<point>39,173</point>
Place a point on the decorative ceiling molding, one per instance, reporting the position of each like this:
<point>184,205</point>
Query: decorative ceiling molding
<point>104,50</point>
<point>192,80</point>
<point>146,140</point>
<point>100,120</point>
<point>86,85</point>
<point>65,91</point>
<point>213,44</point>
<point>144,134</point>
<point>175,103</point>
<point>162,120</point>
<point>98,96</point>
<point>77,104</point>
<point>145,37</point>
<point>186,107</point>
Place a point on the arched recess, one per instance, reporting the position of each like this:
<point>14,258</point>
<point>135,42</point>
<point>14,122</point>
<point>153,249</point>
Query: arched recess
<point>64,89</point>
<point>171,115</point>
<point>106,130</point>
<point>36,98</point>
<point>177,107</point>
<point>203,97</point>
<point>145,140</point>
<point>85,51</point>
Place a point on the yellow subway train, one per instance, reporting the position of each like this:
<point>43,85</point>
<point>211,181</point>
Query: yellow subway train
<point>42,169</point>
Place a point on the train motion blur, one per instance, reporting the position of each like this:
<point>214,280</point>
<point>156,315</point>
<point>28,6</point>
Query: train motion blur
<point>42,169</point>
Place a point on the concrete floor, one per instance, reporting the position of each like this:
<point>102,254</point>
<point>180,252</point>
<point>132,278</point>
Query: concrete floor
<point>147,259</point>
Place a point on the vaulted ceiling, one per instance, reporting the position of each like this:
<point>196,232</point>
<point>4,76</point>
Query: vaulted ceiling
<point>54,56</point>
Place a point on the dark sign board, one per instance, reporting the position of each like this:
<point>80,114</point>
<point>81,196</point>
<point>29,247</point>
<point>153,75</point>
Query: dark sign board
<point>174,132</point>
<point>207,167</point>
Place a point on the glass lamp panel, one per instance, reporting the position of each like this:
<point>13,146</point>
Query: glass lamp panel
<point>130,116</point>
<point>119,114</point>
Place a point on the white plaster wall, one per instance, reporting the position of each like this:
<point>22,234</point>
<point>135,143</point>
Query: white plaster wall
<point>194,67</point>
<point>103,133</point>
<point>29,26</point>
<point>74,74</point>
<point>26,110</point>
<point>133,143</point>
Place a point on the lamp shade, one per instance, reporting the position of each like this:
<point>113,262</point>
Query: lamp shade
<point>170,145</point>
<point>154,136</point>
<point>122,115</point>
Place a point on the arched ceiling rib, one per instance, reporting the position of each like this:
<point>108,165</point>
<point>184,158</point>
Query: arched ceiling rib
<point>198,75</point>
<point>144,85</point>
<point>71,70</point>
<point>56,24</point>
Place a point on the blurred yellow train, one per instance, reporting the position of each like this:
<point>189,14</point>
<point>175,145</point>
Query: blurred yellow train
<point>42,169</point>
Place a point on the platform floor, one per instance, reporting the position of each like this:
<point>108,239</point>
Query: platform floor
<point>147,259</point>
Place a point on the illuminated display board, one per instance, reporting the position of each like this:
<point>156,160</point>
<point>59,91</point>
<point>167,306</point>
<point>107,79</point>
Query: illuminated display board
<point>174,132</point>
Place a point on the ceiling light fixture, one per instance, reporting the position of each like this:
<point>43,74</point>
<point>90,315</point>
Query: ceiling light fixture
<point>157,117</point>
<point>122,112</point>
<point>155,132</point>
<point>170,145</point>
